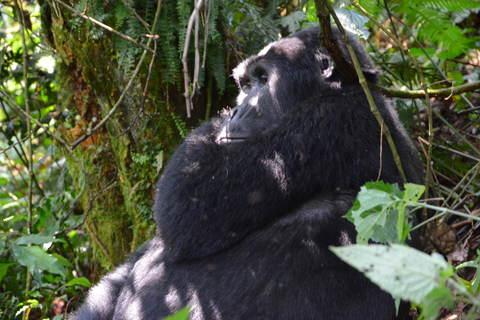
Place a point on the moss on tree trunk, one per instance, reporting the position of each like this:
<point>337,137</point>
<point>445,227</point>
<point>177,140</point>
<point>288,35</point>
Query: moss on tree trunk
<point>121,217</point>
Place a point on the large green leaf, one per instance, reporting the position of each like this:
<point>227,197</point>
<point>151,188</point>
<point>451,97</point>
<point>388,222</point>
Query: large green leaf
<point>4,269</point>
<point>404,272</point>
<point>77,281</point>
<point>35,239</point>
<point>35,258</point>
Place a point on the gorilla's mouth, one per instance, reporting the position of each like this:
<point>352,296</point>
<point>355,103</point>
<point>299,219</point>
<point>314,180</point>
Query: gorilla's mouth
<point>226,135</point>
<point>224,139</point>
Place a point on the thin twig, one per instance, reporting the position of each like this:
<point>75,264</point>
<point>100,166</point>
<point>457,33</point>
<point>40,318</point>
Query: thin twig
<point>29,124</point>
<point>439,116</point>
<point>188,98</point>
<point>100,245</point>
<point>466,186</point>
<point>419,94</point>
<point>145,24</point>
<point>104,26</point>
<point>17,143</point>
<point>463,154</point>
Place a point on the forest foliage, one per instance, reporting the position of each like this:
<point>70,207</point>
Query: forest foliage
<point>52,182</point>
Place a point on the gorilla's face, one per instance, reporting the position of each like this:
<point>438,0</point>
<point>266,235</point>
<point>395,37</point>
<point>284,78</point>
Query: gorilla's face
<point>255,79</point>
<point>272,84</point>
<point>251,117</point>
<point>277,81</point>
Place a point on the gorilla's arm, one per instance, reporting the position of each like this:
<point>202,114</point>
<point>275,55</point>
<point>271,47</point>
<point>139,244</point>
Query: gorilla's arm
<point>102,299</point>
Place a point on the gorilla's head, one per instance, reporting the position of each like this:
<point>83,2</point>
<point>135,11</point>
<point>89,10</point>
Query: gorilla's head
<point>281,77</point>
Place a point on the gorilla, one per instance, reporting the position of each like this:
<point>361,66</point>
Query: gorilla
<point>248,205</point>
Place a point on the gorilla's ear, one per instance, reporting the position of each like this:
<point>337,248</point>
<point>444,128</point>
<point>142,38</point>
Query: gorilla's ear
<point>327,65</point>
<point>330,73</point>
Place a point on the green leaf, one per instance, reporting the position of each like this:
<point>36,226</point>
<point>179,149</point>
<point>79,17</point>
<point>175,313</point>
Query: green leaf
<point>293,20</point>
<point>447,55</point>
<point>413,192</point>
<point>4,269</point>
<point>182,314</point>
<point>404,272</point>
<point>436,26</point>
<point>35,239</point>
<point>77,281</point>
<point>62,260</point>
<point>29,304</point>
<point>456,76</point>
<point>439,297</point>
<point>475,285</point>
<point>419,52</point>
<point>370,213</point>
<point>379,212</point>
<point>35,258</point>
<point>353,21</point>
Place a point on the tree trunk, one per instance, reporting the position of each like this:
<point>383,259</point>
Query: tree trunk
<point>122,170</point>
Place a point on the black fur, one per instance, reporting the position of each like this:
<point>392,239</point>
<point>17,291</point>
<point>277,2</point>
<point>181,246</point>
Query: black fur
<point>250,202</point>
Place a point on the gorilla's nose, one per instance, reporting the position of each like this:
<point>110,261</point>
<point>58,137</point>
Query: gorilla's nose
<point>231,129</point>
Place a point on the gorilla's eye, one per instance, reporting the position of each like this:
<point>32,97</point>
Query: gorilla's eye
<point>263,79</point>
<point>247,87</point>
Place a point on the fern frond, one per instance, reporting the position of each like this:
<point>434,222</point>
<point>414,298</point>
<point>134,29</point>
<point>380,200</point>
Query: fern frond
<point>121,14</point>
<point>167,42</point>
<point>216,64</point>
<point>184,9</point>
<point>372,7</point>
<point>435,26</point>
<point>150,9</point>
<point>450,5</point>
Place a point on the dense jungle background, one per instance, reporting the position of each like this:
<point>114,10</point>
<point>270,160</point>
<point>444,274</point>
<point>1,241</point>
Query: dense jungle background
<point>95,95</point>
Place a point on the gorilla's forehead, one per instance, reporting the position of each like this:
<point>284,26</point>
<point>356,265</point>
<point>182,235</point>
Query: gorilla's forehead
<point>291,48</point>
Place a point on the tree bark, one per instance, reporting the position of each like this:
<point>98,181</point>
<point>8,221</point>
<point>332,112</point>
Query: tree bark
<point>123,168</point>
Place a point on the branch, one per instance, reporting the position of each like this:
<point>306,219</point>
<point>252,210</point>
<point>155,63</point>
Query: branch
<point>331,45</point>
<point>193,17</point>
<point>104,26</point>
<point>419,94</point>
<point>364,84</point>
<point>125,3</point>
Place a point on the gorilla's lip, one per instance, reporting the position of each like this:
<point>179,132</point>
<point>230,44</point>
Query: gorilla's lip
<point>224,139</point>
